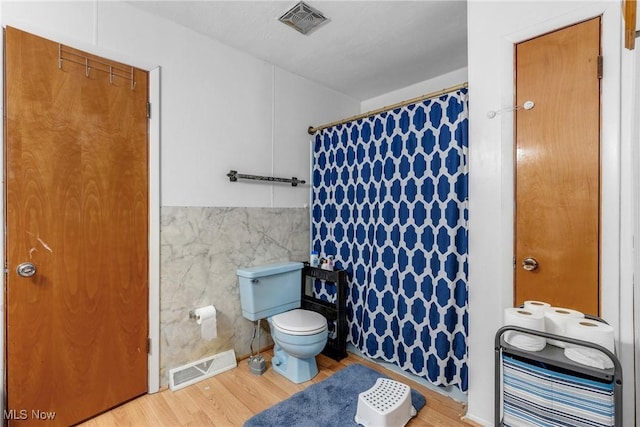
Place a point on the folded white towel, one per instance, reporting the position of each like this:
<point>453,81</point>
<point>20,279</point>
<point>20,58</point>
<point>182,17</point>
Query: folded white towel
<point>589,357</point>
<point>525,341</point>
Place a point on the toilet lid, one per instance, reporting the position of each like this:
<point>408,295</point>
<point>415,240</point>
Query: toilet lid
<point>299,322</point>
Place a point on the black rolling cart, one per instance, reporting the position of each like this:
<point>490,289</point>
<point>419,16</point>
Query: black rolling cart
<point>521,371</point>
<point>335,313</point>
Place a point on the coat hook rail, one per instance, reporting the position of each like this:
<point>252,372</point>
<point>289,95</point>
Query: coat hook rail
<point>92,64</point>
<point>234,176</point>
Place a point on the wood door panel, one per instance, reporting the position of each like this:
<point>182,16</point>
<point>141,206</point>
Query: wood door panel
<point>558,168</point>
<point>77,207</point>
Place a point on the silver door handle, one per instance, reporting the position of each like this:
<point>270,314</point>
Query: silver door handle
<point>529,264</point>
<point>26,269</point>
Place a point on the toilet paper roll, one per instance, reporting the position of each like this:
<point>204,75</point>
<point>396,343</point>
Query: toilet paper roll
<point>555,320</point>
<point>594,332</point>
<point>537,306</point>
<point>525,319</point>
<point>591,331</point>
<point>206,318</point>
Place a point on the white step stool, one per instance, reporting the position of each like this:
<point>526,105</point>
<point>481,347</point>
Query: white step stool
<point>386,404</point>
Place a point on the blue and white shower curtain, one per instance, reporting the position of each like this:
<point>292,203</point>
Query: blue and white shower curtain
<point>389,202</point>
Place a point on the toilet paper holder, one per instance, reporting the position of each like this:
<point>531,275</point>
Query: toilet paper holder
<point>205,318</point>
<point>193,315</point>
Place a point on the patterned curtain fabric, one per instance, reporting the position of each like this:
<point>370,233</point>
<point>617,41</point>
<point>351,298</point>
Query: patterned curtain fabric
<point>389,202</point>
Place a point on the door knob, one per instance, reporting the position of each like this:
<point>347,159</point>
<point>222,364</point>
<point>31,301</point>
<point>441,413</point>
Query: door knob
<point>529,263</point>
<point>26,269</point>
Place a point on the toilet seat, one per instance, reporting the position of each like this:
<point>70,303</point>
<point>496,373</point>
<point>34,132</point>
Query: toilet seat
<point>299,322</point>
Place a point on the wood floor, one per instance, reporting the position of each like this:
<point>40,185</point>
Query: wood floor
<point>232,397</point>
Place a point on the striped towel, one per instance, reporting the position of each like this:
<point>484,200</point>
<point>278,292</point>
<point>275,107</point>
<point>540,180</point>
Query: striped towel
<point>538,396</point>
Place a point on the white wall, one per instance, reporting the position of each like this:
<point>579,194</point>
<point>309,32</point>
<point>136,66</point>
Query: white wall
<point>629,221</point>
<point>444,81</point>
<point>633,61</point>
<point>221,109</point>
<point>493,29</point>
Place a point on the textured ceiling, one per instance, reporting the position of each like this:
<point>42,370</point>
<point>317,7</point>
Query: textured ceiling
<point>367,48</point>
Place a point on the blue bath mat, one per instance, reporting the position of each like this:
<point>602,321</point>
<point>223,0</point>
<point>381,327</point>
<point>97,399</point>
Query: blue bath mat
<point>329,403</point>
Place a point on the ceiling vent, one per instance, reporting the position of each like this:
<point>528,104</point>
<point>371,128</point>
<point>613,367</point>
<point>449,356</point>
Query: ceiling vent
<point>303,18</point>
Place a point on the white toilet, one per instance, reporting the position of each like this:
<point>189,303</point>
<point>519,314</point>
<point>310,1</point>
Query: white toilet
<point>274,292</point>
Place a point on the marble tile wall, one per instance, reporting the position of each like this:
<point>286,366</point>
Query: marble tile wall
<point>201,249</point>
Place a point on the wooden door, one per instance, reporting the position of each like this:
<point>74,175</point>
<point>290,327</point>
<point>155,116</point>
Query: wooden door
<point>76,208</point>
<point>558,168</point>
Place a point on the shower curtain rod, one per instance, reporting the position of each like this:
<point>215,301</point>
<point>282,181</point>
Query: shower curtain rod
<point>313,130</point>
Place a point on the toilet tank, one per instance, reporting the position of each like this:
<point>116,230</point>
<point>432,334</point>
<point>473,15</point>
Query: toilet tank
<point>271,289</point>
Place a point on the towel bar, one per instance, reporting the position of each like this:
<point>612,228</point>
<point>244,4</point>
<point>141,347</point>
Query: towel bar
<point>234,176</point>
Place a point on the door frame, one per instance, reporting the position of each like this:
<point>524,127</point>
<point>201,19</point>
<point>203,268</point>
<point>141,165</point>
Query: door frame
<point>631,65</point>
<point>614,178</point>
<point>154,231</point>
<point>610,148</point>
<point>153,363</point>
<point>528,283</point>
